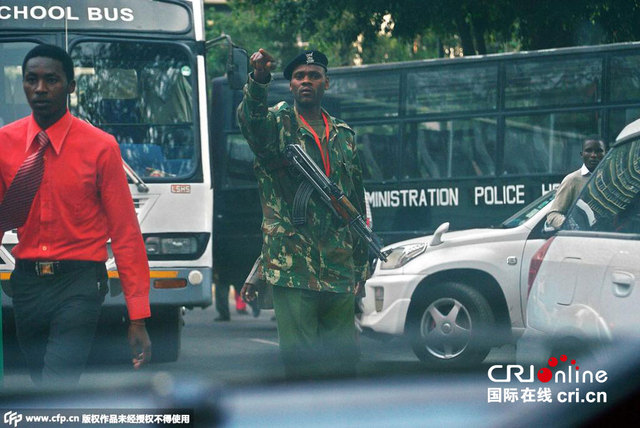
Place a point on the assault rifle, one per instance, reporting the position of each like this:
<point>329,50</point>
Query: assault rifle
<point>333,197</point>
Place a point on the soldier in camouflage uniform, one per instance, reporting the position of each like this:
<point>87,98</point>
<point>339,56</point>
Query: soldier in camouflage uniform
<point>314,268</point>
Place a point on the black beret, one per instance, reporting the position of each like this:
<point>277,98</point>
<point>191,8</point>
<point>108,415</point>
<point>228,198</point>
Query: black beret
<point>307,57</point>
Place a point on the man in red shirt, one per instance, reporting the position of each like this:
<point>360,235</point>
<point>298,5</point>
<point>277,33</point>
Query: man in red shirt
<point>83,200</point>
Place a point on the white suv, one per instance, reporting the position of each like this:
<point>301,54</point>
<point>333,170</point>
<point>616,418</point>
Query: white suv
<point>583,280</point>
<point>456,294</point>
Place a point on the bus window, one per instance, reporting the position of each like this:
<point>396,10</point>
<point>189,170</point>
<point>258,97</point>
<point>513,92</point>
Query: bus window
<point>548,83</point>
<point>377,150</point>
<point>143,95</point>
<point>472,147</point>
<point>371,95</point>
<point>547,143</point>
<point>119,101</point>
<point>625,83</point>
<point>425,151</point>
<point>167,95</point>
<point>13,103</point>
<point>619,118</point>
<point>458,148</point>
<point>448,89</point>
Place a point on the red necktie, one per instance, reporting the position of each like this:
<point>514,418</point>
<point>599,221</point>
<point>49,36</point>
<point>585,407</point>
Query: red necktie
<point>16,204</point>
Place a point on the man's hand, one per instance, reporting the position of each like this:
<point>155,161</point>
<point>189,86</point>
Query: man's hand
<point>248,293</point>
<point>140,343</point>
<point>262,63</point>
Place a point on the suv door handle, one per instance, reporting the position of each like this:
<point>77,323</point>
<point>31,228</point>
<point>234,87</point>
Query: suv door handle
<point>622,283</point>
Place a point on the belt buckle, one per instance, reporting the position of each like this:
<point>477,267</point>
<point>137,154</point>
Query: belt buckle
<point>45,268</point>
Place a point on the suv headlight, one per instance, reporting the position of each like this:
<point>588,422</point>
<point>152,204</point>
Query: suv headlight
<point>400,256</point>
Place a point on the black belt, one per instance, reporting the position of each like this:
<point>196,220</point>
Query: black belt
<point>47,268</point>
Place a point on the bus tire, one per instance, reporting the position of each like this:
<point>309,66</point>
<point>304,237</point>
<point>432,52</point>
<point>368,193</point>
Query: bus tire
<point>165,328</point>
<point>451,326</point>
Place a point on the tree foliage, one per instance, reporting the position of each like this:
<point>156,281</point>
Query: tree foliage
<point>543,24</point>
<point>250,28</point>
<point>360,30</point>
<point>284,28</point>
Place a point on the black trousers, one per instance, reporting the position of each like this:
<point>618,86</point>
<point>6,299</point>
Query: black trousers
<point>56,318</point>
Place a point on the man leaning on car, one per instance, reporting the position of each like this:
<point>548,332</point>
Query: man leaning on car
<point>593,149</point>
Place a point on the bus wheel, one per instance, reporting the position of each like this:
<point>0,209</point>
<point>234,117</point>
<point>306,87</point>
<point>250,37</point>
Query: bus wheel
<point>164,328</point>
<point>451,326</point>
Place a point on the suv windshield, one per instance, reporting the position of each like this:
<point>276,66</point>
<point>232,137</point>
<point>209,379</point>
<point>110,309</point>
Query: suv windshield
<point>142,93</point>
<point>529,211</point>
<point>610,202</point>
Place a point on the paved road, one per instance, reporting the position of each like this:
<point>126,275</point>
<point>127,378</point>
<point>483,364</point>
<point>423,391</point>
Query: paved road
<point>244,350</point>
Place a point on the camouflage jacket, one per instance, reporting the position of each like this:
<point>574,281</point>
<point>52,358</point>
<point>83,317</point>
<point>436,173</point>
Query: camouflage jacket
<point>322,254</point>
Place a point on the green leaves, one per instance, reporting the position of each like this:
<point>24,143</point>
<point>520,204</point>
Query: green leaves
<point>373,31</point>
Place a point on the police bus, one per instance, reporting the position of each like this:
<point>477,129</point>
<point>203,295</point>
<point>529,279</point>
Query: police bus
<point>467,140</point>
<point>140,72</point>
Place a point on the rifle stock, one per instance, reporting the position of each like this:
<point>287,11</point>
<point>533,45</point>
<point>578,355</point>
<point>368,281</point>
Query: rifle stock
<point>333,196</point>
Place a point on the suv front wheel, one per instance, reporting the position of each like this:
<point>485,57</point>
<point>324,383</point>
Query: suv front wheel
<point>451,326</point>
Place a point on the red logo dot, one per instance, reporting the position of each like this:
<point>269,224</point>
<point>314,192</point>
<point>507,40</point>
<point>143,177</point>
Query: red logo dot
<point>544,375</point>
<point>573,361</point>
<point>563,358</point>
<point>553,361</point>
